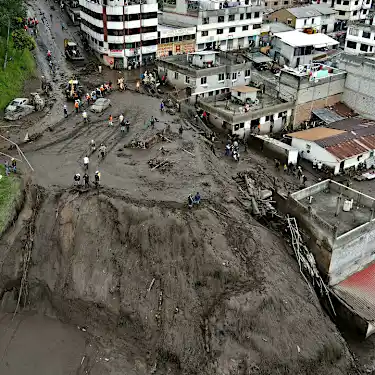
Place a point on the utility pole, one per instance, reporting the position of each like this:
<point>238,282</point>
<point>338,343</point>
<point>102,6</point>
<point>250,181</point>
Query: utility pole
<point>6,51</point>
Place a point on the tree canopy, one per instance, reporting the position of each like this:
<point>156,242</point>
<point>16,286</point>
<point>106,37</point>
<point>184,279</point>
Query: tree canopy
<point>13,11</point>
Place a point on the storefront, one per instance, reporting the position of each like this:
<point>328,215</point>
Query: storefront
<point>175,41</point>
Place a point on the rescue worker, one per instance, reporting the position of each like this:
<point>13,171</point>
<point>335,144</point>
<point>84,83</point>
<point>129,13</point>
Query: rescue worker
<point>93,96</point>
<point>320,165</point>
<point>86,163</point>
<point>101,90</point>
<point>299,172</point>
<point>127,124</point>
<point>110,120</point>
<point>161,106</point>
<point>86,179</point>
<point>152,122</point>
<point>76,106</point>
<point>14,165</point>
<point>97,178</point>
<point>190,201</point>
<point>315,163</point>
<point>88,99</point>
<point>121,118</point>
<point>227,149</point>
<point>77,179</point>
<point>102,150</point>
<point>65,111</point>
<point>197,198</point>
<point>92,145</point>
<point>84,115</point>
<point>49,55</point>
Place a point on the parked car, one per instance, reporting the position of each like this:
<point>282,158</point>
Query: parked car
<point>15,103</point>
<point>100,105</point>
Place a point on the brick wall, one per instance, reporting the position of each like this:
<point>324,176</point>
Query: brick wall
<point>303,111</point>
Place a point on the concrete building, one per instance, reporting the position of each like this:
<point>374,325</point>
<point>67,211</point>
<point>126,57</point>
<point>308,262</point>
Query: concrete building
<point>175,40</point>
<point>343,145</point>
<point>278,4</point>
<point>359,91</point>
<point>122,33</point>
<point>245,110</point>
<point>220,24</point>
<point>313,86</point>
<point>360,37</point>
<point>298,48</point>
<point>205,73</point>
<point>309,19</point>
<point>341,227</point>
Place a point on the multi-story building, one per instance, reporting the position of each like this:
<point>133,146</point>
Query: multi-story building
<point>205,73</point>
<point>220,24</point>
<point>122,33</point>
<point>278,4</point>
<point>175,40</point>
<point>360,37</point>
<point>347,10</point>
<point>309,19</point>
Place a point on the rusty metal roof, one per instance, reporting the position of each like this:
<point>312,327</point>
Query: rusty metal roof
<point>343,110</point>
<point>315,134</point>
<point>346,150</point>
<point>352,124</point>
<point>358,293</point>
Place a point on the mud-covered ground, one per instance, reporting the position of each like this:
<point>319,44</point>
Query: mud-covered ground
<point>127,279</point>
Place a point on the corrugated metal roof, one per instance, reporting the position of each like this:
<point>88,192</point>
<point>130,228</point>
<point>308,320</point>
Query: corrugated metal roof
<point>343,110</point>
<point>315,134</point>
<point>358,292</point>
<point>347,124</point>
<point>325,10</point>
<point>304,12</point>
<point>346,150</point>
<point>327,116</point>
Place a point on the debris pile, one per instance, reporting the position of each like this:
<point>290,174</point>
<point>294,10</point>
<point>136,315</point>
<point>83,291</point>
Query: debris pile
<point>162,165</point>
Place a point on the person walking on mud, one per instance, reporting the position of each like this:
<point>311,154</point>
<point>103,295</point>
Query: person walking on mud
<point>77,179</point>
<point>180,131</point>
<point>76,106</point>
<point>65,111</point>
<point>86,163</point>
<point>110,120</point>
<point>85,118</point>
<point>97,179</point>
<point>86,179</point>
<point>152,122</point>
<point>121,119</point>
<point>127,124</point>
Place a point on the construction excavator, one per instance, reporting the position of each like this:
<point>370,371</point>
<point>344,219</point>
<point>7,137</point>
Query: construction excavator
<point>72,52</point>
<point>73,90</point>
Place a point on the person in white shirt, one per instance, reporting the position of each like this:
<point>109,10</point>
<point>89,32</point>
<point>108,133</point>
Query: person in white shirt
<point>121,118</point>
<point>84,115</point>
<point>86,163</point>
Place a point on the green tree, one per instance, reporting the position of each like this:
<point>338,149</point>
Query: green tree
<point>13,11</point>
<point>22,40</point>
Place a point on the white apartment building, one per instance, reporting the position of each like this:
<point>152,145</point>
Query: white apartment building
<point>360,37</point>
<point>220,24</point>
<point>122,33</point>
<point>347,10</point>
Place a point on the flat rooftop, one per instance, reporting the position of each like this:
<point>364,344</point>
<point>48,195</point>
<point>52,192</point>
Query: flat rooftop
<point>299,39</point>
<point>305,70</point>
<point>324,203</point>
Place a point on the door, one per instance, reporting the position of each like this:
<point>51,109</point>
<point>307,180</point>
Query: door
<point>230,44</point>
<point>298,59</point>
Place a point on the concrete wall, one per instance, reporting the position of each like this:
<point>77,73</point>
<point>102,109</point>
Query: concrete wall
<point>310,150</point>
<point>314,22</point>
<point>352,252</point>
<point>282,15</point>
<point>359,93</point>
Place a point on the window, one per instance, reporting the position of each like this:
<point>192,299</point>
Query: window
<point>267,118</point>
<point>353,31</point>
<point>351,44</point>
<point>242,125</point>
<point>366,34</point>
<point>231,17</point>
<point>206,21</point>
<point>257,26</point>
<point>220,19</point>
<point>248,16</point>
<point>232,29</point>
<point>101,44</point>
<point>312,21</point>
<point>276,3</point>
<point>266,5</point>
<point>256,15</point>
<point>304,22</point>
<point>221,77</point>
<point>211,93</point>
<point>204,33</point>
<point>338,1</point>
<point>345,2</point>
<point>355,12</point>
<point>247,73</point>
<point>356,3</point>
<point>234,76</point>
<point>204,81</point>
<point>228,75</point>
<point>200,46</point>
<point>187,79</point>
<point>175,75</point>
<point>244,28</point>
<point>341,13</point>
<point>364,47</point>
<point>370,50</point>
<point>241,16</point>
<point>286,2</point>
<point>219,31</point>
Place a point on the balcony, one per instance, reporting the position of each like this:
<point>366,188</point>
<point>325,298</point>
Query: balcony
<point>136,24</point>
<point>149,49</point>
<point>149,22</point>
<point>149,8</point>
<point>132,9</point>
<point>132,38</point>
<point>115,25</point>
<point>115,39</point>
<point>118,11</point>
<point>92,33</point>
<point>97,8</point>
<point>91,20</point>
<point>149,36</point>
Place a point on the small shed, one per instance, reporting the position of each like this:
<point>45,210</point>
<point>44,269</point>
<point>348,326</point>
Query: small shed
<point>244,93</point>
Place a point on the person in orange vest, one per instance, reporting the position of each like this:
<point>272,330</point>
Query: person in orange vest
<point>88,98</point>
<point>76,106</point>
<point>102,90</point>
<point>258,128</point>
<point>110,120</point>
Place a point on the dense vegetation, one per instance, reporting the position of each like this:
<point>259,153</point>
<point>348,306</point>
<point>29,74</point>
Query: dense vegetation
<point>20,63</point>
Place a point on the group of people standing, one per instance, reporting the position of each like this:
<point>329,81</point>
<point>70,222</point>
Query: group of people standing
<point>10,168</point>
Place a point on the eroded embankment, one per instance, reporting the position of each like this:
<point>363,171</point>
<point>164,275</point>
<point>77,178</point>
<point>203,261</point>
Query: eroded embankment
<point>168,290</point>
